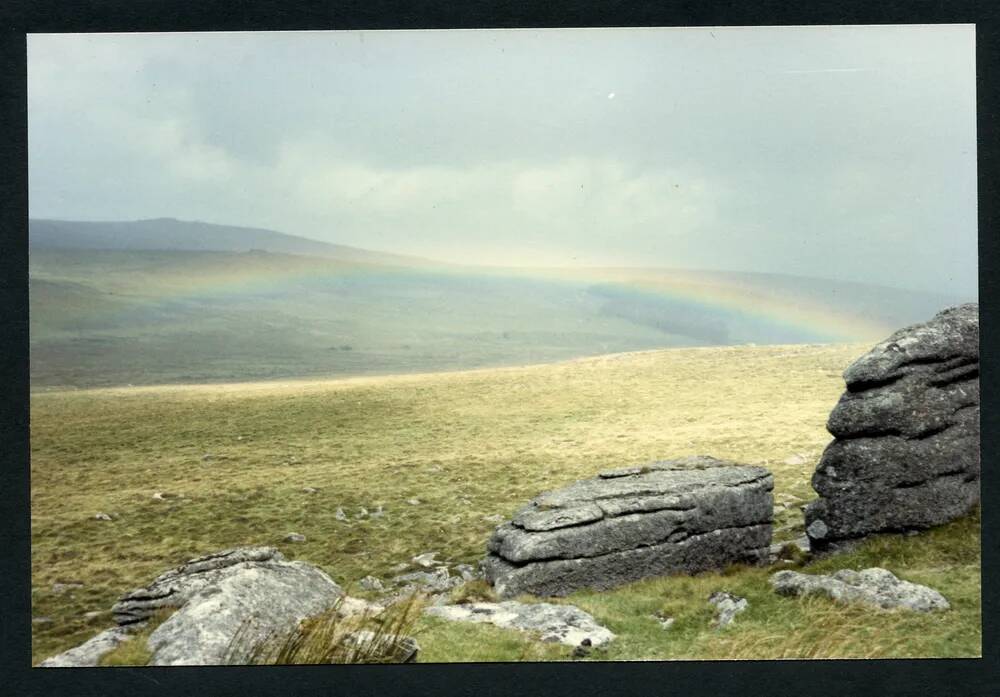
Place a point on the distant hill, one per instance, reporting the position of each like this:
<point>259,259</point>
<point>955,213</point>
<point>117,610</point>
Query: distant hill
<point>166,234</point>
<point>168,301</point>
<point>106,317</point>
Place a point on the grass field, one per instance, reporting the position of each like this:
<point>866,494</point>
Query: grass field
<point>468,445</point>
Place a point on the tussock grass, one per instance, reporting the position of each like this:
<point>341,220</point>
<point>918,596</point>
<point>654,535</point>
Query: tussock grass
<point>382,637</point>
<point>135,651</point>
<point>468,445</point>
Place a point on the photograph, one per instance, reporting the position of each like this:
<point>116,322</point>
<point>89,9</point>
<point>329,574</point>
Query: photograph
<point>506,345</point>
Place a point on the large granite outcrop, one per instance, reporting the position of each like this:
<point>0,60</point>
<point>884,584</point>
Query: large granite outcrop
<point>906,448</point>
<point>674,516</point>
<point>221,602</point>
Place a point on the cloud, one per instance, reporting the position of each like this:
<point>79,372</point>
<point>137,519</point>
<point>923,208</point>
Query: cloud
<point>844,152</point>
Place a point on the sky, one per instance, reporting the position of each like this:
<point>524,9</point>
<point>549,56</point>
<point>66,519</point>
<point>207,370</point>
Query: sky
<point>836,152</point>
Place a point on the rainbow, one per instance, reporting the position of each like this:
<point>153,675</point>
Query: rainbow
<point>771,299</point>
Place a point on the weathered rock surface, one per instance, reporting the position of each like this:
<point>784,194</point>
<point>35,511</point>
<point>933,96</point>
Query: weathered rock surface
<point>563,623</point>
<point>675,516</point>
<point>89,653</point>
<point>906,449</point>
<point>874,587</point>
<point>250,592</point>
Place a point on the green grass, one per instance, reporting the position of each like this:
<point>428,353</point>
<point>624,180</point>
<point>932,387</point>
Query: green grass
<point>468,445</point>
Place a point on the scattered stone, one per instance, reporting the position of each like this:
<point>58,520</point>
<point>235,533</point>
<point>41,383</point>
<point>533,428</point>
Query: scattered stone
<point>565,624</point>
<point>665,622</point>
<point>906,450</point>
<point>438,581</point>
<point>207,456</point>
<point>727,607</point>
<point>363,513</point>
<point>102,516</point>
<point>874,587</point>
<point>340,515</point>
<point>676,516</point>
<point>60,588</point>
<point>310,490</point>
<point>425,560</point>
<point>413,502</point>
<point>159,496</point>
<point>94,614</point>
<point>252,590</point>
<point>42,620</point>
<point>378,513</point>
<point>467,572</point>
<point>294,537</point>
<point>495,518</point>
<point>795,460</point>
<point>87,654</point>
<point>370,583</point>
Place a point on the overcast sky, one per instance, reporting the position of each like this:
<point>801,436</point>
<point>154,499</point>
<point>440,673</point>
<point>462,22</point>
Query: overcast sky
<point>844,153</point>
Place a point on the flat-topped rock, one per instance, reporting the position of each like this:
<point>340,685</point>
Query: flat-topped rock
<point>906,450</point>
<point>673,516</point>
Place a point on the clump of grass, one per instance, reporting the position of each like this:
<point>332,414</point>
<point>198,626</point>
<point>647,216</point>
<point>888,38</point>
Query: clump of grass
<point>381,637</point>
<point>474,591</point>
<point>135,651</point>
<point>793,553</point>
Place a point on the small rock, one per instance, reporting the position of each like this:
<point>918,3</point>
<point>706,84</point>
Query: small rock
<point>874,587</point>
<point>425,560</point>
<point>295,537</point>
<point>378,513</point>
<point>102,516</point>
<point>565,624</point>
<point>42,620</point>
<point>665,622</point>
<point>413,502</point>
<point>467,572</point>
<point>207,456</point>
<point>581,651</point>
<point>370,583</point>
<point>60,588</point>
<point>340,515</point>
<point>438,581</point>
<point>728,606</point>
<point>363,513</point>
<point>795,460</point>
<point>495,518</point>
<point>309,490</point>
<point>94,614</point>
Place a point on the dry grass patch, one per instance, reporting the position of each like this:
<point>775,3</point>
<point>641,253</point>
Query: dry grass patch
<point>468,445</point>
